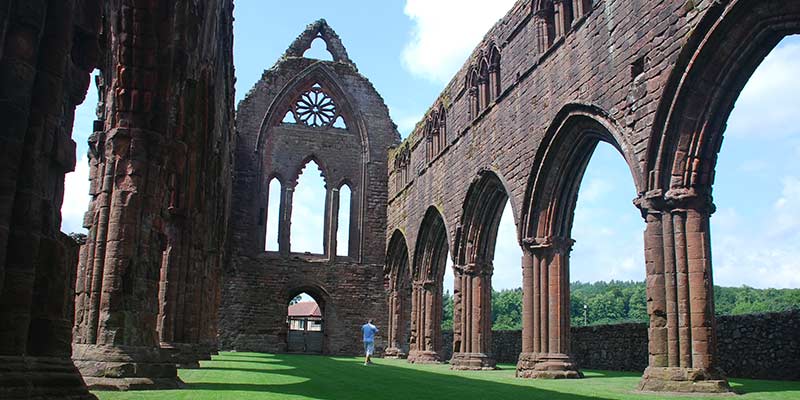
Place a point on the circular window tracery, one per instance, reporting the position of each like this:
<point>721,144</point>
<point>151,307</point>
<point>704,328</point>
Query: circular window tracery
<point>315,108</point>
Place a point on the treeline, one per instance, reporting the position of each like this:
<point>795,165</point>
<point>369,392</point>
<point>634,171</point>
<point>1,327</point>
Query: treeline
<point>618,301</point>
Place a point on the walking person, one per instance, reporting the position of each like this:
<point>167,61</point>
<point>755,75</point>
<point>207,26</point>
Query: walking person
<point>368,330</point>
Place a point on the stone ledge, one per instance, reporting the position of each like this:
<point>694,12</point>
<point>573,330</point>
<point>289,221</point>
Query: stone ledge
<point>41,378</point>
<point>683,380</point>
<point>424,357</point>
<point>472,362</point>
<point>547,366</point>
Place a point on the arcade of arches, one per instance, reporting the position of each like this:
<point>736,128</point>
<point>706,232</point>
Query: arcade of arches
<point>177,263</point>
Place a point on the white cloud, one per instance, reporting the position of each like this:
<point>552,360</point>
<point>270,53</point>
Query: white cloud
<point>406,121</point>
<point>76,197</point>
<point>445,32</point>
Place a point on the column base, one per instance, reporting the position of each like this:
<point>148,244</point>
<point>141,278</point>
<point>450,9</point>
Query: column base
<point>683,380</point>
<point>395,353</point>
<point>472,362</point>
<point>187,355</point>
<point>41,378</point>
<point>547,366</point>
<point>424,357</point>
<point>125,367</point>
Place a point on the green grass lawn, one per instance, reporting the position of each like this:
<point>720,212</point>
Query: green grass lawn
<point>244,376</point>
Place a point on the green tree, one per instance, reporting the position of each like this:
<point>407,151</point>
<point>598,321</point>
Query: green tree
<point>447,311</point>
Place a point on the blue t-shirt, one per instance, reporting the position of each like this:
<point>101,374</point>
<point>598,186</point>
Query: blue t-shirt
<point>369,332</point>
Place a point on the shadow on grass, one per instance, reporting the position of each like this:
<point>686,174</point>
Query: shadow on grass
<point>747,386</point>
<point>329,378</point>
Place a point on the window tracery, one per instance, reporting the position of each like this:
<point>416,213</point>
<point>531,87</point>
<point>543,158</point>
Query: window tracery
<point>315,108</point>
<point>402,161</point>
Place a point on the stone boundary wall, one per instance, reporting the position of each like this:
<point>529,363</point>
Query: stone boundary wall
<point>761,346</point>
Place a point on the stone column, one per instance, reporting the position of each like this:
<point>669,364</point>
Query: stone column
<point>546,310</point>
<point>475,322</point>
<point>396,324</point>
<point>122,351</point>
<point>581,7</point>
<point>682,339</point>
<point>285,223</point>
<point>333,223</point>
<point>426,325</point>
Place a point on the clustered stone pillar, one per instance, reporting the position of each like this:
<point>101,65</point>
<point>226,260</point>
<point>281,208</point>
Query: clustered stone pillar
<point>682,337</point>
<point>117,346</point>
<point>396,324</point>
<point>44,70</point>
<point>426,321</point>
<point>545,311</point>
<point>473,303</point>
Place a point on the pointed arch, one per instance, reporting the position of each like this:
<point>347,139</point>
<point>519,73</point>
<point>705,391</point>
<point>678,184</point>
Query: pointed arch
<point>494,71</point>
<point>558,167</point>
<point>318,73</point>
<point>544,23</point>
<point>398,277</point>
<point>430,261</point>
<point>397,258</point>
<point>483,207</point>
<point>432,247</point>
<point>319,29</point>
<point>483,83</point>
<point>723,52</point>
<point>298,170</point>
<point>472,92</point>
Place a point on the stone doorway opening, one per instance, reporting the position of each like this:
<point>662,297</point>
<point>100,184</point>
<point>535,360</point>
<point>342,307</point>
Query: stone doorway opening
<point>305,325</point>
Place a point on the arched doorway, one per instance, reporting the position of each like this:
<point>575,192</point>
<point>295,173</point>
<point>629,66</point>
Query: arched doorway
<point>305,322</point>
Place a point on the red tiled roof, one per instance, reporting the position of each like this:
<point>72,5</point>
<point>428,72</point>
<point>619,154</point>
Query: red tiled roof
<point>305,309</point>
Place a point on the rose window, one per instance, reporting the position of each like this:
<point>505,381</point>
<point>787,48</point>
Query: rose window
<point>315,108</point>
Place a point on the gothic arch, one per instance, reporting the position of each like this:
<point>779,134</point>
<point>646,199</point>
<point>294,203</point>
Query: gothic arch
<point>429,263</point>
<point>298,169</point>
<point>483,206</point>
<point>319,29</point>
<point>550,200</point>
<point>724,50</point>
<point>472,290</point>
<point>317,73</point>
<point>398,275</point>
<point>717,61</point>
<point>567,146</point>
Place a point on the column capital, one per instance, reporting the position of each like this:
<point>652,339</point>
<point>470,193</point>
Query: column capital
<point>547,244</point>
<point>675,200</point>
<point>476,268</point>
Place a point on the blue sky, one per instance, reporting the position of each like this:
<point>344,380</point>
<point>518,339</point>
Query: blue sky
<point>409,53</point>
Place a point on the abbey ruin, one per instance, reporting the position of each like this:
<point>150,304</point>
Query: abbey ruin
<point>174,266</point>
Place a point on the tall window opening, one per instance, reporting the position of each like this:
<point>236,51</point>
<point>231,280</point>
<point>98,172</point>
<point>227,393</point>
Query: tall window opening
<point>76,183</point>
<point>607,264</point>
<point>308,211</point>
<point>273,215</point>
<point>506,278</point>
<point>343,226</point>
